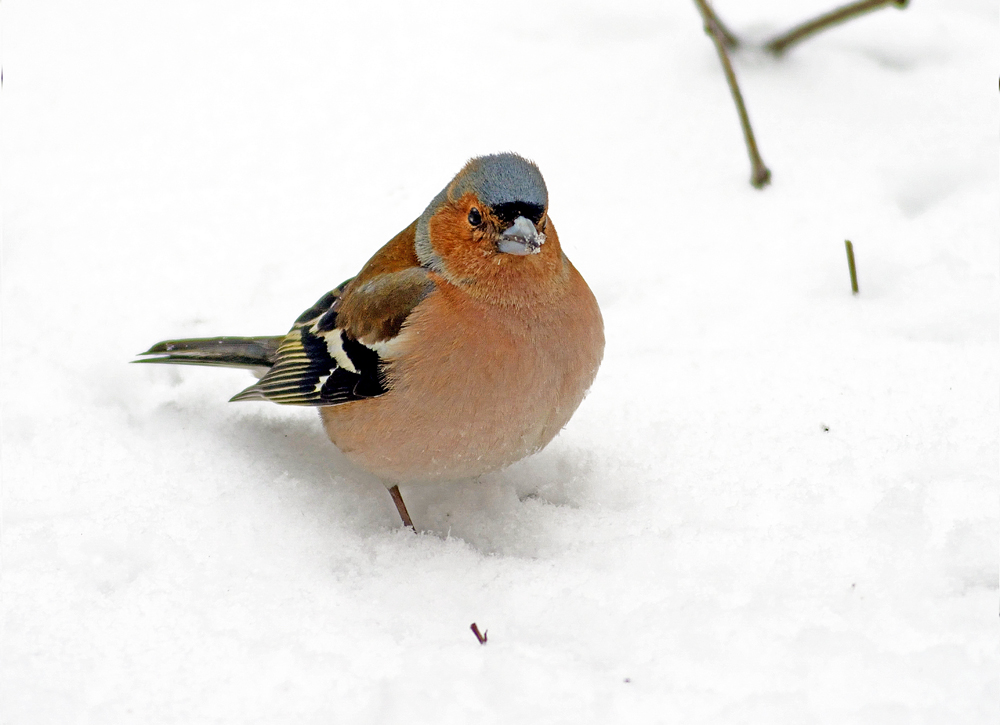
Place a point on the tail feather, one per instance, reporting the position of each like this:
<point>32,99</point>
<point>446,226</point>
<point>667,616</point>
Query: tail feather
<point>229,352</point>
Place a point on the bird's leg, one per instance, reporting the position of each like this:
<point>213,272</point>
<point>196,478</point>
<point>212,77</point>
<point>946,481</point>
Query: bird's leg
<point>397,499</point>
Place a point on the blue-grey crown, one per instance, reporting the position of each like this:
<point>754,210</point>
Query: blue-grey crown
<point>498,180</point>
<point>502,179</point>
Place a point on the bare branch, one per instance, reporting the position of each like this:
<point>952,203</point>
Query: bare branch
<point>729,39</point>
<point>781,43</point>
<point>760,175</point>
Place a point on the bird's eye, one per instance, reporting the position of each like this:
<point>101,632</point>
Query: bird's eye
<point>475,218</point>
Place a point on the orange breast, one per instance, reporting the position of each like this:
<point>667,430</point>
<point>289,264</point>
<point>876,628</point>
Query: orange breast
<point>474,386</point>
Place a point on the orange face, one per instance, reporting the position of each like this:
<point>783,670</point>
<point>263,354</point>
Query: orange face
<point>468,236</point>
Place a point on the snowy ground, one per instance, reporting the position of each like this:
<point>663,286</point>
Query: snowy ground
<point>778,504</point>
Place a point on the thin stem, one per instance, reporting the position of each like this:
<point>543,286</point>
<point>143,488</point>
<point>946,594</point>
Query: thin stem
<point>781,43</point>
<point>851,267</point>
<point>397,498</point>
<point>760,175</point>
<point>729,39</point>
<point>481,637</point>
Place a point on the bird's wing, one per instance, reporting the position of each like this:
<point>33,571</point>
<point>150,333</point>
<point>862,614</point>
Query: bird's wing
<point>331,354</point>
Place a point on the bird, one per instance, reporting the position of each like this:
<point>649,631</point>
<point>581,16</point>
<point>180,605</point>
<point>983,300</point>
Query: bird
<point>464,344</point>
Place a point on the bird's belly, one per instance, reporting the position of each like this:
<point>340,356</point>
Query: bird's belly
<point>463,436</point>
<point>476,399</point>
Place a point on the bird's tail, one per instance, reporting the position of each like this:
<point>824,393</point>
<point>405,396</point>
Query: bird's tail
<point>227,352</point>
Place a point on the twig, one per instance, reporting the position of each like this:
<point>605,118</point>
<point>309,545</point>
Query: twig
<point>760,175</point>
<point>850,266</point>
<point>781,43</point>
<point>397,498</point>
<point>729,39</point>
<point>481,637</point>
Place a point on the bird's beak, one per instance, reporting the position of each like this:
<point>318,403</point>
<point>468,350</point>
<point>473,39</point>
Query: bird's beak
<point>521,238</point>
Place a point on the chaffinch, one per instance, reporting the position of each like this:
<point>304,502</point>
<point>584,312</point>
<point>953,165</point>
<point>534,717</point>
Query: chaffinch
<point>463,345</point>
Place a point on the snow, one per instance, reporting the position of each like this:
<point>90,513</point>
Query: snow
<point>778,503</point>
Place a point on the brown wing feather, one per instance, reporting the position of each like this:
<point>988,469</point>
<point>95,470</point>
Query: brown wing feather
<point>375,304</point>
<point>327,358</point>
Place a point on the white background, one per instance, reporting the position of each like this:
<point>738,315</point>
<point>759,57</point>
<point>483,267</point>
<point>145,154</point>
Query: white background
<point>779,502</point>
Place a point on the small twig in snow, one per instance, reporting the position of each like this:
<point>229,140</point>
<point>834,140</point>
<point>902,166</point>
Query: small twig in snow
<point>481,637</point>
<point>760,175</point>
<point>397,498</point>
<point>850,265</point>
<point>781,43</point>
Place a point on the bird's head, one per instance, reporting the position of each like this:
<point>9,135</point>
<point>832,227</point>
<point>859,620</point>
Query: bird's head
<point>490,225</point>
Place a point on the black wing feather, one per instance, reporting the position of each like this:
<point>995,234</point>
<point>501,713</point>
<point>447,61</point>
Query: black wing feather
<point>305,371</point>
